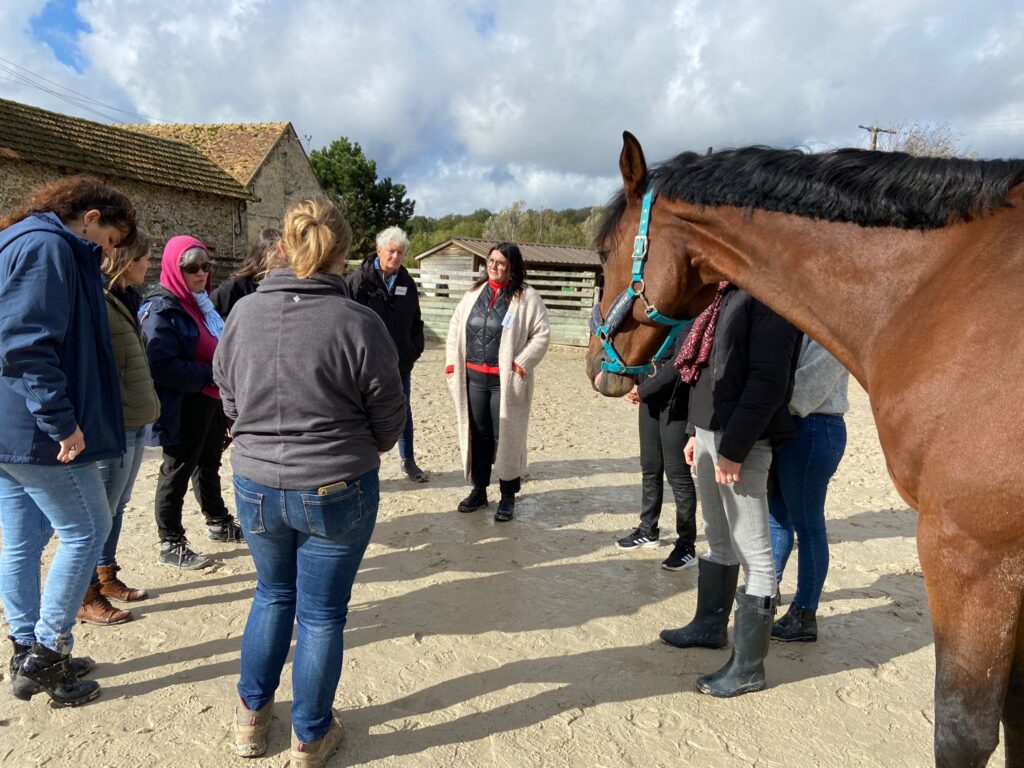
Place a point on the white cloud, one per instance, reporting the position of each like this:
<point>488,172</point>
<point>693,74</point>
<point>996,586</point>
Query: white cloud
<point>477,103</point>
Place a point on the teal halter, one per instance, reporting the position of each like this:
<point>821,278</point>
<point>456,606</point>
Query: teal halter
<point>622,307</point>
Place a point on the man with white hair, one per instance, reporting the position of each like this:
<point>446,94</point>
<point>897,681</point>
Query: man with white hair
<point>386,287</point>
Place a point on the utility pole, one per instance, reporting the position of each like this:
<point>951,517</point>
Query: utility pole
<point>875,130</point>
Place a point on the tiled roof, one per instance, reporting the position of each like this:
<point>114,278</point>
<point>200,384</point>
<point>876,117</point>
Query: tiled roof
<point>238,148</point>
<point>39,136</point>
<point>533,253</point>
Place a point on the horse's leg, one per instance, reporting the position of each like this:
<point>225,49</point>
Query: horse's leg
<point>974,614</point>
<point>1013,709</point>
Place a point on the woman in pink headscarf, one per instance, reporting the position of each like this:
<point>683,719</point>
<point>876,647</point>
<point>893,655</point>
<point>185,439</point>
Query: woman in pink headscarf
<point>181,328</point>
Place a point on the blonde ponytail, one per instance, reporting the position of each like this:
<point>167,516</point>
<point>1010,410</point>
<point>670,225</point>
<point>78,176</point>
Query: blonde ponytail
<point>316,237</point>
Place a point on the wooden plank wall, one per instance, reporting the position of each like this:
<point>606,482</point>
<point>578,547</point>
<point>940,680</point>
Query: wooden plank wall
<point>568,296</point>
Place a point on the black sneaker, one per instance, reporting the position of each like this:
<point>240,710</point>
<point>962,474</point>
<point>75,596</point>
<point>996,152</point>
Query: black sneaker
<point>413,472</point>
<point>178,554</point>
<point>683,556</point>
<point>225,530</point>
<point>641,537</point>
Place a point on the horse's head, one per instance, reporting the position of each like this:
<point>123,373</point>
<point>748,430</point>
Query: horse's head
<point>635,317</point>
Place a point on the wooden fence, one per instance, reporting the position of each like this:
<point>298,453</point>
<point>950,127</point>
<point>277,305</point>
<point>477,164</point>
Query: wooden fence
<point>568,296</point>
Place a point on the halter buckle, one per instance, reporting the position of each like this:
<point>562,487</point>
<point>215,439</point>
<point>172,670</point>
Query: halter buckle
<point>640,246</point>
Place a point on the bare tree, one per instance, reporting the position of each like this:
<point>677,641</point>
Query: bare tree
<point>925,139</point>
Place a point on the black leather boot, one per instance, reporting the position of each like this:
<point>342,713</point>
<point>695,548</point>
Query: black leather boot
<point>797,626</point>
<point>80,666</point>
<point>49,671</point>
<point>477,498</point>
<point>744,672</point>
<point>716,587</point>
<point>507,506</point>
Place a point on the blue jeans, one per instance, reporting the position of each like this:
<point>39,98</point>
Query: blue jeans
<point>307,549</point>
<point>797,503</point>
<point>405,449</point>
<point>119,479</point>
<point>35,501</point>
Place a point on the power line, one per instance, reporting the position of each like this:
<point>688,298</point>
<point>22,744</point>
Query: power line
<point>82,101</point>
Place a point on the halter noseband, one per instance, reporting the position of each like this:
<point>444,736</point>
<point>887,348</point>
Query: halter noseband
<point>622,307</point>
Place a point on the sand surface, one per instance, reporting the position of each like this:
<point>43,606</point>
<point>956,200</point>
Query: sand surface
<point>533,643</point>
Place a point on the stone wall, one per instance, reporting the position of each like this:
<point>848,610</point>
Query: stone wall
<point>220,222</point>
<point>285,178</point>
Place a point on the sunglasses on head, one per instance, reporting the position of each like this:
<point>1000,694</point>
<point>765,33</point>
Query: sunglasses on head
<point>195,269</point>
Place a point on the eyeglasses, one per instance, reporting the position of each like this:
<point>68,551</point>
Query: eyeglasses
<point>195,269</point>
<point>495,264</point>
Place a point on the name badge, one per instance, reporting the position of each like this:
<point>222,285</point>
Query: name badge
<point>401,290</point>
<point>506,322</point>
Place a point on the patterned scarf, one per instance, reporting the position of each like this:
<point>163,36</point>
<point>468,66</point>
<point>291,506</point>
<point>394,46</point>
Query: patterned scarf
<point>696,350</point>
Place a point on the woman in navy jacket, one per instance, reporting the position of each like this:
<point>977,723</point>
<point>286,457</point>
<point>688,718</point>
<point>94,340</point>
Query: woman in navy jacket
<point>60,413</point>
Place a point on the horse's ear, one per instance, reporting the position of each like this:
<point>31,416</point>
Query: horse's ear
<point>633,168</point>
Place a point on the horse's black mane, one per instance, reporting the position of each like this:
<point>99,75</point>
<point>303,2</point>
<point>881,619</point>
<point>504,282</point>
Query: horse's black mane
<point>872,189</point>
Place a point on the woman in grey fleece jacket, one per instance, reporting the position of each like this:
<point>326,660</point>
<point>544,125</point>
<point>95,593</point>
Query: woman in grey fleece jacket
<point>311,380</point>
<point>802,470</point>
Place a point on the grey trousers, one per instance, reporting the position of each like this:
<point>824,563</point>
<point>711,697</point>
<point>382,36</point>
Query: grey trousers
<point>736,515</point>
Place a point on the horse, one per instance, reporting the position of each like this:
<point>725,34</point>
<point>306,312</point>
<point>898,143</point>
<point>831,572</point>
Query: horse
<point>910,270</point>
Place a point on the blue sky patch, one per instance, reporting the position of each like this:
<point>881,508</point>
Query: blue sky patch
<point>483,21</point>
<point>58,25</point>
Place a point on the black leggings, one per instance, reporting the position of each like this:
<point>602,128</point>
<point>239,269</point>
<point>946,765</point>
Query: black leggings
<point>484,390</point>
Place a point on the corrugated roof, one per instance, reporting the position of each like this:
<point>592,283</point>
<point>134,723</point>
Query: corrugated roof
<point>533,253</point>
<point>238,148</point>
<point>39,136</point>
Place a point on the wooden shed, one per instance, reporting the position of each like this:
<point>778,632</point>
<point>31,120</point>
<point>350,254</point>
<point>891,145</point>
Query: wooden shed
<point>565,275</point>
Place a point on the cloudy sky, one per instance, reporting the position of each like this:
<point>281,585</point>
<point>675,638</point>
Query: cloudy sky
<point>478,103</point>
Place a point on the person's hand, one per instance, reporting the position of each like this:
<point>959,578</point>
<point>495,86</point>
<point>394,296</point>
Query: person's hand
<point>519,369</point>
<point>632,396</point>
<point>71,447</point>
<point>688,451</point>
<point>726,471</point>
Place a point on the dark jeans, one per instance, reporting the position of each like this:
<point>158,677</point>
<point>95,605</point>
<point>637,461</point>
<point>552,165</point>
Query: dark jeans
<point>661,455</point>
<point>197,456</point>
<point>803,469</point>
<point>405,447</point>
<point>484,391</point>
<point>307,549</point>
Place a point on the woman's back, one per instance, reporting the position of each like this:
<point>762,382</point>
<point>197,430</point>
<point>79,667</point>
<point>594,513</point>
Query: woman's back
<point>311,379</point>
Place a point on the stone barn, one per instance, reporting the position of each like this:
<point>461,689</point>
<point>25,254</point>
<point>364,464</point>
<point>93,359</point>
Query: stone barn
<point>176,189</point>
<point>266,158</point>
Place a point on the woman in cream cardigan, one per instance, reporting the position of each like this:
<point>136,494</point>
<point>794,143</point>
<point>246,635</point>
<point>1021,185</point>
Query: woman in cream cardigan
<point>496,339</point>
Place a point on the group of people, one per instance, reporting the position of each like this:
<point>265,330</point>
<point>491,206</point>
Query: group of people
<point>757,412</point>
<point>306,372</point>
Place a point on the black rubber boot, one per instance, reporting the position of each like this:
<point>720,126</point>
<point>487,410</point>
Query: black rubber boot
<point>80,666</point>
<point>49,671</point>
<point>744,672</point>
<point>716,587</point>
<point>797,626</point>
<point>477,498</point>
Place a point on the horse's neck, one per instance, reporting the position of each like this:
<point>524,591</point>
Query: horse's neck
<point>840,283</point>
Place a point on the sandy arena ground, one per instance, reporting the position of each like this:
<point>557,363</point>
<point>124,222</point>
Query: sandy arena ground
<point>533,643</point>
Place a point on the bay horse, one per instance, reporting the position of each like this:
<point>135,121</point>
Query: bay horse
<point>910,271</point>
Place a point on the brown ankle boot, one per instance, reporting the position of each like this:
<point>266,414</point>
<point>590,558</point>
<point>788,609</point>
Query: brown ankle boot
<point>113,588</point>
<point>96,609</point>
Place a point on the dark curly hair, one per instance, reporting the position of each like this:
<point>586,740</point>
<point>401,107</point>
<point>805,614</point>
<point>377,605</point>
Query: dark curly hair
<point>71,197</point>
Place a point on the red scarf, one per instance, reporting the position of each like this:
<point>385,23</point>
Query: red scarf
<point>696,350</point>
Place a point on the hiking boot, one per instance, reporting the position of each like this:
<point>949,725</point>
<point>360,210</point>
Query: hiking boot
<point>315,754</point>
<point>744,672</point>
<point>251,727</point>
<point>178,554</point>
<point>413,472</point>
<point>50,672</point>
<point>96,609</point>
<point>477,498</point>
<point>640,537</point>
<point>716,587</point>
<point>797,626</point>
<point>506,508</point>
<point>683,556</point>
<point>113,588</point>
<point>225,530</point>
